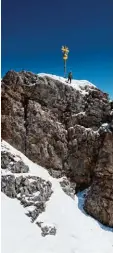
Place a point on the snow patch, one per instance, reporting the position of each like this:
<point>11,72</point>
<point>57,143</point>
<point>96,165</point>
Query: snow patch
<point>104,125</point>
<point>76,84</point>
<point>76,232</point>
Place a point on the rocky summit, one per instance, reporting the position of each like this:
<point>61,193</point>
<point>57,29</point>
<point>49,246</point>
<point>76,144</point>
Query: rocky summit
<point>67,129</point>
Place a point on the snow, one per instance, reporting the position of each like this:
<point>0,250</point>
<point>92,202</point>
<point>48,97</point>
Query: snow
<point>31,180</point>
<point>111,113</point>
<point>30,208</point>
<point>76,84</point>
<point>36,193</point>
<point>79,113</point>
<point>76,231</point>
<point>104,125</point>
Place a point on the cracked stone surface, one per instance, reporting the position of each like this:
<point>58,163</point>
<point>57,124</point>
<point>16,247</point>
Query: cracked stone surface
<point>33,192</point>
<point>67,131</point>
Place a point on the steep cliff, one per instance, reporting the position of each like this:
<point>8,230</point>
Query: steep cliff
<point>59,126</point>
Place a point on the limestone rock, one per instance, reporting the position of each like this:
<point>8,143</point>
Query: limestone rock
<point>31,191</point>
<point>49,122</point>
<point>15,166</point>
<point>99,200</point>
<point>68,187</point>
<point>66,130</point>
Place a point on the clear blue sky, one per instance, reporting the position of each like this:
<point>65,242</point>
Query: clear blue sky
<point>34,31</point>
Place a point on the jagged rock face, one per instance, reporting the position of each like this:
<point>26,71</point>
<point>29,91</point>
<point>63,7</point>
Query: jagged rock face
<point>33,192</point>
<point>49,122</point>
<point>99,201</point>
<point>68,187</point>
<point>8,162</point>
<point>83,149</point>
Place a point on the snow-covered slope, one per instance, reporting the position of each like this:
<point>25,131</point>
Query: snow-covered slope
<point>76,84</point>
<point>76,231</point>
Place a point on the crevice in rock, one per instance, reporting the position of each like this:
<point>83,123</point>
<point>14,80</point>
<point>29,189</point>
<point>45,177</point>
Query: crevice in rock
<point>25,103</point>
<point>63,105</point>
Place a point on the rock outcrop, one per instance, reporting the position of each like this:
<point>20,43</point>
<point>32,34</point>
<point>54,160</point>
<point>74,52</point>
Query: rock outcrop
<point>59,127</point>
<point>54,124</point>
<point>33,192</point>
<point>8,162</point>
<point>46,230</point>
<point>99,200</point>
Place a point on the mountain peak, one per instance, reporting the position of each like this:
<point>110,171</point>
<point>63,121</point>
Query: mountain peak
<point>65,133</point>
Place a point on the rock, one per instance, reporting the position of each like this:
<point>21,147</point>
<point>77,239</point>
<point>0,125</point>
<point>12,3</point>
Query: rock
<point>20,167</point>
<point>52,231</point>
<point>55,173</point>
<point>18,181</point>
<point>43,114</point>
<point>26,203</point>
<point>67,187</point>
<point>61,129</point>
<point>46,230</point>
<point>8,162</point>
<point>21,191</point>
<point>6,159</point>
<point>99,200</point>
<point>30,190</point>
<point>41,206</point>
<point>82,156</point>
<point>34,214</point>
<point>8,186</point>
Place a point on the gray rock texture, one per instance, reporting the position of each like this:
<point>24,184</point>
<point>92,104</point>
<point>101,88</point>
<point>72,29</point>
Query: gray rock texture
<point>99,200</point>
<point>60,128</point>
<point>47,230</point>
<point>31,191</point>
<point>68,187</point>
<point>8,162</point>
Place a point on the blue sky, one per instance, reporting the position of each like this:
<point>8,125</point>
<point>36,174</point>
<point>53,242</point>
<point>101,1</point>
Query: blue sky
<point>34,31</point>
